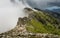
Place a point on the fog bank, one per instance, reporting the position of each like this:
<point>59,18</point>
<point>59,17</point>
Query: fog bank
<point>9,14</point>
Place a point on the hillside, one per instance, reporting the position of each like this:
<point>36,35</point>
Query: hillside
<point>42,22</point>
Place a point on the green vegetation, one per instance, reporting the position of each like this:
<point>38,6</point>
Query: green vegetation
<point>41,22</point>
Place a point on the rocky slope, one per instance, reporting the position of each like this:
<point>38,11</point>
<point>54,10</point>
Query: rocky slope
<point>38,24</point>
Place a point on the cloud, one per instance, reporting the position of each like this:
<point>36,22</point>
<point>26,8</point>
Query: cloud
<point>43,3</point>
<point>9,14</point>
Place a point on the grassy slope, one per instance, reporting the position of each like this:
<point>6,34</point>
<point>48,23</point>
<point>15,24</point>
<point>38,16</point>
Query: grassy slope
<point>43,23</point>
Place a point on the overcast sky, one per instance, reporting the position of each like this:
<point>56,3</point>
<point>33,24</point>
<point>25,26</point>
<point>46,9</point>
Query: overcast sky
<point>43,3</point>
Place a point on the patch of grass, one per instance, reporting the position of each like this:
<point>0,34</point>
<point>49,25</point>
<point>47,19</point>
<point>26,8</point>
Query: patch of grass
<point>35,25</point>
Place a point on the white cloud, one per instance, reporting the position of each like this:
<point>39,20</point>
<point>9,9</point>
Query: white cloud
<point>9,14</point>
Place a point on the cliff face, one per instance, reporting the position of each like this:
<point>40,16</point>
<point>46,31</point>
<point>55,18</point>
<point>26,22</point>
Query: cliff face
<point>37,24</point>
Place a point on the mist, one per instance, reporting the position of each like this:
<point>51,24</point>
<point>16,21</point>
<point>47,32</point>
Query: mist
<point>9,13</point>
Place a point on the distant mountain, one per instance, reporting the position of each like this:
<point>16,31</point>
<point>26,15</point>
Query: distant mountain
<point>54,11</point>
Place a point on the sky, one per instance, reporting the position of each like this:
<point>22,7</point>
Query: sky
<point>42,4</point>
